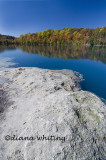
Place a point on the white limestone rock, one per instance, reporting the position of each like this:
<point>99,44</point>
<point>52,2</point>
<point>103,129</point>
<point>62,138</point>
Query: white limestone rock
<point>44,102</point>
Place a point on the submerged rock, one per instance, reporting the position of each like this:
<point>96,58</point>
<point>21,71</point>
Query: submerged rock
<point>50,117</point>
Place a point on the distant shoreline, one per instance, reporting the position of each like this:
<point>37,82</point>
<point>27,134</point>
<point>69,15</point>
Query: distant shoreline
<point>67,35</point>
<point>63,44</point>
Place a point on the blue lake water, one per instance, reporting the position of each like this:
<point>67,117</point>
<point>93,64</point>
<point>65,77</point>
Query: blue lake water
<point>88,61</point>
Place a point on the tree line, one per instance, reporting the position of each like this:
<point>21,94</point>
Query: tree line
<point>64,36</point>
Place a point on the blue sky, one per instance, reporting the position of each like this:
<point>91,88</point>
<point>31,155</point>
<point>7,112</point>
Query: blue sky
<point>23,16</point>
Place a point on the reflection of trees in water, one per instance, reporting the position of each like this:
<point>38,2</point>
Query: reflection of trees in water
<point>69,52</point>
<point>8,47</point>
<point>95,53</point>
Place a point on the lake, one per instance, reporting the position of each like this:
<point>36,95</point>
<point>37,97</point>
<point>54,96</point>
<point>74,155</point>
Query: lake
<point>88,61</point>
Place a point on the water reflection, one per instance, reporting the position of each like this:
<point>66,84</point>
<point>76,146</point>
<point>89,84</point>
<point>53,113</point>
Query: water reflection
<point>82,59</point>
<point>69,52</point>
<point>95,53</point>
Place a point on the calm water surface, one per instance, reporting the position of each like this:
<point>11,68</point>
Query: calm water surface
<point>88,61</point>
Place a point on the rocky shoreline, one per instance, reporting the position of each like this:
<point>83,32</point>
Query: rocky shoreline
<point>49,104</point>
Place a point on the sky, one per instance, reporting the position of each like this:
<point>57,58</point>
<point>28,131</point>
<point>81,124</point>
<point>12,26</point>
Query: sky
<point>23,16</point>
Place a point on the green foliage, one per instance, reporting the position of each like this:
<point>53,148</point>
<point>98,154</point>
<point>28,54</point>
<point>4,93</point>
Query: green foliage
<point>67,35</point>
<point>6,40</point>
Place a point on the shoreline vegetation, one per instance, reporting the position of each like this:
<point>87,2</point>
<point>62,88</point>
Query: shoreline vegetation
<point>73,36</point>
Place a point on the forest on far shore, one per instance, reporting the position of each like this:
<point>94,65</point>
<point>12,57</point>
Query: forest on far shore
<point>72,36</point>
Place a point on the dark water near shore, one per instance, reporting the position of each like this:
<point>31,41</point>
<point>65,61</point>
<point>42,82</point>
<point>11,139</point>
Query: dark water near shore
<point>88,61</point>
